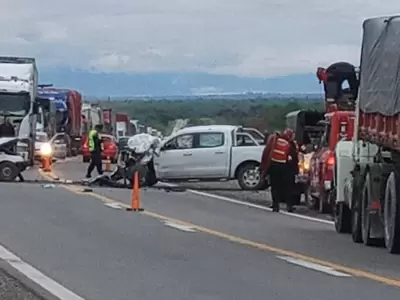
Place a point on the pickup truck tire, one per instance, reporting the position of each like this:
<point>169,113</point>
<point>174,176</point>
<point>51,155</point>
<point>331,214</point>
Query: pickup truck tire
<point>8,171</point>
<point>392,213</point>
<point>342,218</point>
<point>249,178</point>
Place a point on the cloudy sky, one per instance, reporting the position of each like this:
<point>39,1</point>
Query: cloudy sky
<point>241,37</point>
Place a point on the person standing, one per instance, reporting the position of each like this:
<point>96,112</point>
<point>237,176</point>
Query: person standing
<point>293,167</point>
<point>274,162</point>
<point>95,148</point>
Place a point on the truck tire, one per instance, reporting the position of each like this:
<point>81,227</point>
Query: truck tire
<point>341,215</point>
<point>391,213</point>
<point>255,183</point>
<point>324,207</point>
<point>365,214</point>
<point>356,233</point>
<point>8,171</point>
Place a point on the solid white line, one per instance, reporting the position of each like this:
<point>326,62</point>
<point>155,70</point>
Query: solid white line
<point>231,200</point>
<point>313,266</point>
<point>35,275</point>
<point>179,226</point>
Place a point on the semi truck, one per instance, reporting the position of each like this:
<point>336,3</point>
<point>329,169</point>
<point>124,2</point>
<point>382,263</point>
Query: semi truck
<point>367,172</point>
<point>18,88</point>
<point>68,105</point>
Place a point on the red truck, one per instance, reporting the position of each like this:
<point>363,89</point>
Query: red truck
<point>339,125</point>
<point>367,174</point>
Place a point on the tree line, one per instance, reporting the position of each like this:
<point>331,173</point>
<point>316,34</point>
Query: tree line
<point>258,113</point>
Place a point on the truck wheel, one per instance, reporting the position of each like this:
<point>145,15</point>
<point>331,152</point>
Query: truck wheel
<point>8,171</point>
<point>356,208</point>
<point>342,218</point>
<point>324,207</point>
<point>249,178</point>
<point>366,216</point>
<point>392,213</point>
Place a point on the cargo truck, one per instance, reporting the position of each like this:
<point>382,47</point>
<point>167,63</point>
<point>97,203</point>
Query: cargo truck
<point>18,88</point>
<point>367,171</point>
<point>68,104</point>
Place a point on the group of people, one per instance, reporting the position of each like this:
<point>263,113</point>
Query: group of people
<point>280,163</point>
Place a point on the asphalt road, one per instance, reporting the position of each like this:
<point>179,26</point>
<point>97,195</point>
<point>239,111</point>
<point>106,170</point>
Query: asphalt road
<point>225,251</point>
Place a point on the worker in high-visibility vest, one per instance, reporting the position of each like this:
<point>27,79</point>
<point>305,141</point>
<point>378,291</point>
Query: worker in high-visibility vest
<point>274,162</point>
<point>95,148</point>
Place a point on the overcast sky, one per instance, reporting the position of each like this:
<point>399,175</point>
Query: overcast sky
<point>241,37</point>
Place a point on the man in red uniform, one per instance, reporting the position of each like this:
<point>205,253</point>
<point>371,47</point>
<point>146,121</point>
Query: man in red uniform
<point>275,163</point>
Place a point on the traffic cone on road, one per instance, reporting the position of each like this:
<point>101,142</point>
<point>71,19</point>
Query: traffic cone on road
<point>108,164</point>
<point>46,164</point>
<point>135,200</point>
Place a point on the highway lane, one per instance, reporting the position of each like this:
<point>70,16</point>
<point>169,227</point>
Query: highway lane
<point>104,253</point>
<point>74,169</point>
<point>311,238</point>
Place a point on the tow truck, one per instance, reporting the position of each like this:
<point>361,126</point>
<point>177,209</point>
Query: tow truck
<point>339,123</point>
<point>367,178</point>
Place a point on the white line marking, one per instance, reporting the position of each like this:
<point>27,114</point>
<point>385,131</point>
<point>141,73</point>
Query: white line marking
<point>114,205</point>
<point>231,200</point>
<point>313,266</point>
<point>35,275</point>
<point>179,226</point>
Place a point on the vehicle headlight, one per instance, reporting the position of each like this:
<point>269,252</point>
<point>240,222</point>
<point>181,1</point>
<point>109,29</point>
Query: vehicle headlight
<point>46,149</point>
<point>306,165</point>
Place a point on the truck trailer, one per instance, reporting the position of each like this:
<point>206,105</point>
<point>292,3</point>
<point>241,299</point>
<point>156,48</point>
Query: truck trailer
<point>367,172</point>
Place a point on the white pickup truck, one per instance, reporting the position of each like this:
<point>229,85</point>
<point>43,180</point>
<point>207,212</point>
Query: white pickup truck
<point>212,153</point>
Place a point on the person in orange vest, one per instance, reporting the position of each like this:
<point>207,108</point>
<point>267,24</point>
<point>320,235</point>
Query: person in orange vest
<point>275,163</point>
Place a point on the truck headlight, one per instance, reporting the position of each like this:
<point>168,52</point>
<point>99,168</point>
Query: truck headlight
<point>306,165</point>
<point>46,150</point>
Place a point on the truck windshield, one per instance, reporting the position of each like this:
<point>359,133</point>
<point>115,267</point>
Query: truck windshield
<point>14,103</point>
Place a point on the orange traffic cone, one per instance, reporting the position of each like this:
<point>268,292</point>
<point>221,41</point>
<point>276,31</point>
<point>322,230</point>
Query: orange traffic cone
<point>108,164</point>
<point>46,165</point>
<point>135,200</point>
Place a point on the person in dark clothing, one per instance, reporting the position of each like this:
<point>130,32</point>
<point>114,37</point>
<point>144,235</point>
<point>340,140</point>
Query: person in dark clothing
<point>95,148</point>
<point>274,162</point>
<point>7,129</point>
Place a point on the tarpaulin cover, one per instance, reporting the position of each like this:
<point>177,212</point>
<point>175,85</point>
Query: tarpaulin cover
<point>380,66</point>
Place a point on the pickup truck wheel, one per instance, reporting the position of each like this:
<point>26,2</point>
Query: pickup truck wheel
<point>8,171</point>
<point>324,205</point>
<point>392,213</point>
<point>249,178</point>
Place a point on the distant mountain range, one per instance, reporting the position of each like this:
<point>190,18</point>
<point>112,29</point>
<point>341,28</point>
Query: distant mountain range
<point>187,85</point>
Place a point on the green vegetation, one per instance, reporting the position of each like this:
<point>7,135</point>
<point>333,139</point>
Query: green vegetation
<point>259,113</point>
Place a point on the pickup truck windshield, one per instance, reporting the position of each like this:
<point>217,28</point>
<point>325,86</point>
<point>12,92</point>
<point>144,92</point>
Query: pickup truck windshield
<point>14,103</point>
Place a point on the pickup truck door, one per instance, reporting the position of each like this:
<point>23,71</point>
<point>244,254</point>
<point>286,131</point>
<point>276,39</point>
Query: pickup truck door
<point>176,158</point>
<point>210,155</point>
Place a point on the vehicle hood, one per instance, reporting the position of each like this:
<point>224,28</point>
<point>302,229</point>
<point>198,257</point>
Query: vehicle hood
<point>6,141</point>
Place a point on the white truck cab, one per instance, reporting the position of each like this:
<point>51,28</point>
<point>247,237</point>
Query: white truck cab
<point>211,153</point>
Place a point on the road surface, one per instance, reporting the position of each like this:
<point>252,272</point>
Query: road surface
<point>184,246</point>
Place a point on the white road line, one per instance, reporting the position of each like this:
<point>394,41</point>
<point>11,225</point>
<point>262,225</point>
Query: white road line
<point>231,200</point>
<point>179,226</point>
<point>313,266</point>
<point>35,275</point>
<point>114,205</point>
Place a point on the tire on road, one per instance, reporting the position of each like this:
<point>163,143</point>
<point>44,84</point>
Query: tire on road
<point>249,178</point>
<point>8,171</point>
<point>392,213</point>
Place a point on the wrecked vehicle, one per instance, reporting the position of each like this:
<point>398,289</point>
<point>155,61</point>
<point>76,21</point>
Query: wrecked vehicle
<point>12,164</point>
